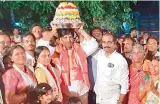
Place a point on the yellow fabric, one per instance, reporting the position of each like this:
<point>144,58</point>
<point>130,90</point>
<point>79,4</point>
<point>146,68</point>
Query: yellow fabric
<point>146,65</point>
<point>41,76</point>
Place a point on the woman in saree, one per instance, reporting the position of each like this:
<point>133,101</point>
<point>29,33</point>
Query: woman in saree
<point>149,94</point>
<point>45,73</point>
<point>136,73</point>
<point>18,79</point>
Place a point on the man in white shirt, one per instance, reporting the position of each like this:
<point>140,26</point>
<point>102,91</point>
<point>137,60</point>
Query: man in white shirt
<point>45,40</point>
<point>112,73</point>
<point>29,44</point>
<point>16,36</point>
<point>37,32</point>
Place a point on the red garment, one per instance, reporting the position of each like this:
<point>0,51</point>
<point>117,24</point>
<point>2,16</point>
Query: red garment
<point>77,62</point>
<point>136,79</point>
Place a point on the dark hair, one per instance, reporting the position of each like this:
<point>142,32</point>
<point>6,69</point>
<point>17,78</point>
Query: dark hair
<point>6,62</point>
<point>41,89</point>
<point>34,25</point>
<point>38,50</point>
<point>118,49</point>
<point>15,28</point>
<point>6,33</point>
<point>73,100</point>
<point>133,40</point>
<point>10,51</point>
<point>27,34</point>
<point>56,102</point>
<point>153,37</point>
<point>145,33</point>
<point>155,58</point>
<point>65,31</point>
<point>140,38</point>
<point>132,29</point>
<point>95,29</point>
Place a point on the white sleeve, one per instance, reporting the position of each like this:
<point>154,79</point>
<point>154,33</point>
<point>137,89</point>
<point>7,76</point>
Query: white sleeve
<point>124,82</point>
<point>42,42</point>
<point>89,46</point>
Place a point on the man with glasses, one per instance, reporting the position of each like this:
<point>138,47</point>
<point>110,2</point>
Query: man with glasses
<point>5,43</point>
<point>112,73</point>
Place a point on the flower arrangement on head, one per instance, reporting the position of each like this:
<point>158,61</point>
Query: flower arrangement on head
<point>67,16</point>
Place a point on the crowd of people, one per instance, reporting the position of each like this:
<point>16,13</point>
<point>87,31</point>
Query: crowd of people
<point>72,66</point>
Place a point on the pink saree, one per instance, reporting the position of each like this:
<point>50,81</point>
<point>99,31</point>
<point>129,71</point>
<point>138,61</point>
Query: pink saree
<point>136,81</point>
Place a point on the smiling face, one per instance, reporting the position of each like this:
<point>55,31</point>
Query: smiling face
<point>46,98</point>
<point>18,56</point>
<point>5,43</point>
<point>37,32</point>
<point>108,43</point>
<point>152,45</point>
<point>127,45</point>
<point>44,57</point>
<point>137,53</point>
<point>29,43</point>
<point>154,69</point>
<point>96,33</point>
<point>15,32</point>
<point>67,41</point>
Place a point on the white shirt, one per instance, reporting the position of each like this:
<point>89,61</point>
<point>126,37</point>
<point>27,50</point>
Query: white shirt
<point>30,61</point>
<point>42,42</point>
<point>17,39</point>
<point>112,75</point>
<point>89,46</point>
<point>77,86</point>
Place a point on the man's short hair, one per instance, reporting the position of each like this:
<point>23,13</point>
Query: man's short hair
<point>145,33</point>
<point>132,29</point>
<point>15,28</point>
<point>65,31</point>
<point>95,29</point>
<point>153,37</point>
<point>27,34</point>
<point>34,25</point>
<point>130,38</point>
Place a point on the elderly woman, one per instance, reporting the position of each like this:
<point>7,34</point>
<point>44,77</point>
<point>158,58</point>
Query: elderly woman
<point>18,79</point>
<point>136,73</point>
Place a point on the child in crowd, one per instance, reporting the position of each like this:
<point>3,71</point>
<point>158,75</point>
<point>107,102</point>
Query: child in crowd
<point>74,100</point>
<point>42,94</point>
<point>7,61</point>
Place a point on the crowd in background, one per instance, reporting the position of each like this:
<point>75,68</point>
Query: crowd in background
<point>72,66</point>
